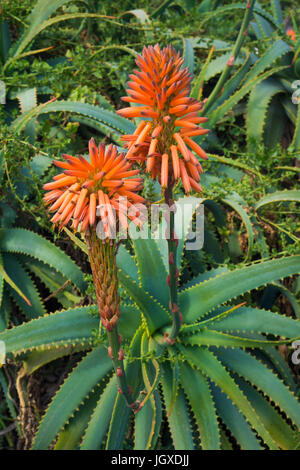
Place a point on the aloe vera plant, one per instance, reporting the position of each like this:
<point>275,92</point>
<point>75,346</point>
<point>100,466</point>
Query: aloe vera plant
<point>226,350</point>
<point>23,252</point>
<point>271,105</point>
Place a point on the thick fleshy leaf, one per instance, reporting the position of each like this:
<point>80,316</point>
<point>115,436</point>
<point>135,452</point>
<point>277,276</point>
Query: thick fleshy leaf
<point>210,366</point>
<point>235,421</point>
<point>82,380</point>
<point>200,299</point>
<point>18,240</point>
<point>178,415</point>
<point>259,375</point>
<point>199,395</point>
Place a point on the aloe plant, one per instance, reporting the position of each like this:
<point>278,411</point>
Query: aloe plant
<point>270,106</point>
<point>23,252</point>
<point>224,367</point>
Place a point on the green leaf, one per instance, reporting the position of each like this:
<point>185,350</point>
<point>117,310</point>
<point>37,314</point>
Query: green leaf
<point>61,288</point>
<point>70,437</point>
<point>279,196</point>
<point>66,327</point>
<point>100,115</point>
<point>247,319</point>
<point>278,49</point>
<point>40,357</point>
<point>278,428</point>
<point>207,337</point>
<point>27,99</point>
<point>199,395</point>
<point>99,422</point>
<point>232,84</point>
<point>209,365</point>
<point>5,311</point>
<point>263,378</point>
<point>235,421</point>
<point>19,240</point>
<point>141,15</point>
<point>1,164</point>
<point>40,163</point>
<point>238,95</point>
<point>20,277</point>
<point>178,415</point>
<point>276,122</point>
<point>277,11</point>
<point>188,54</point>
<point>86,375</point>
<point>229,285</point>
<point>127,263</point>
<point>154,313</point>
<point>36,20</point>
<point>238,6</point>
<point>152,271</point>
<point>258,103</point>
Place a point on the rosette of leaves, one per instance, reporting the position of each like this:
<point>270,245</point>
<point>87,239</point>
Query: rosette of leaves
<point>25,255</point>
<point>273,102</point>
<point>223,380</point>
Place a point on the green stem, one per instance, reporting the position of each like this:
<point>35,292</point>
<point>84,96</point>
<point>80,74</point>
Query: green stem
<point>102,257</point>
<point>173,272</point>
<point>235,52</point>
<point>115,345</point>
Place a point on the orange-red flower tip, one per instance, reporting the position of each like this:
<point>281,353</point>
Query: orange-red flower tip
<point>291,33</point>
<point>83,187</point>
<point>159,91</point>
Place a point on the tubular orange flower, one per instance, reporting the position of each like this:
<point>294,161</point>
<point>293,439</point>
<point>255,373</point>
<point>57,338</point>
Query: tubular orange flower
<point>83,186</point>
<point>162,140</point>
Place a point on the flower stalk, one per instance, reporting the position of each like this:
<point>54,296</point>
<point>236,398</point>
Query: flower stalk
<point>91,194</point>
<point>172,278</point>
<point>234,54</point>
<point>102,257</point>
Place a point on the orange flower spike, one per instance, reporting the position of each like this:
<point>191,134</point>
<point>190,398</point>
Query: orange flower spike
<point>161,87</point>
<point>74,198</point>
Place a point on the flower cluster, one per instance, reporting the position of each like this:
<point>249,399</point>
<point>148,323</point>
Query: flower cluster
<point>107,181</point>
<point>163,139</point>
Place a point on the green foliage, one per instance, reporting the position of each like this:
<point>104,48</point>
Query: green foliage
<point>18,248</point>
<point>215,340</point>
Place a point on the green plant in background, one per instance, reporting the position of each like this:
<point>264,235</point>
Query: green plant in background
<point>271,105</point>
